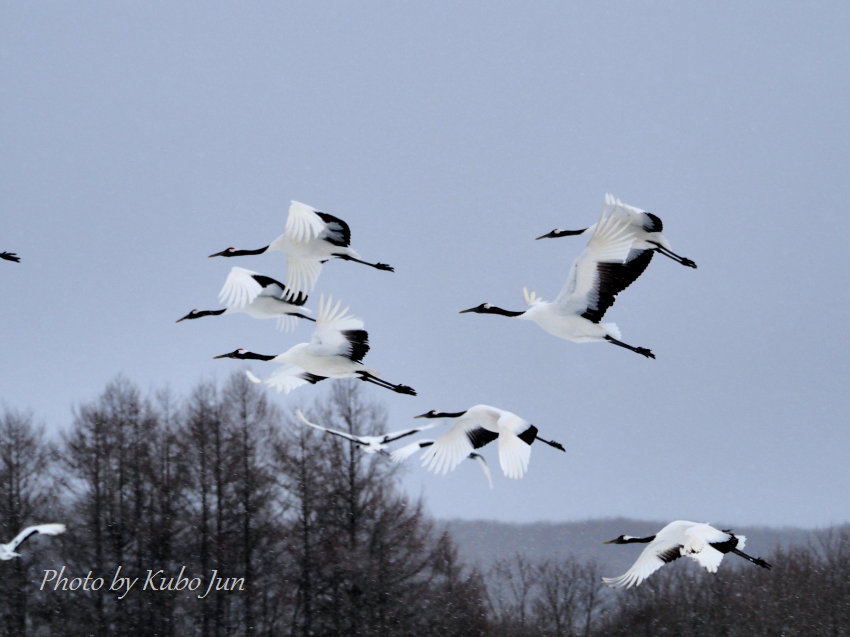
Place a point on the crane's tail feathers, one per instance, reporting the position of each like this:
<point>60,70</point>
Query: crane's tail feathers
<point>613,330</point>
<point>708,557</point>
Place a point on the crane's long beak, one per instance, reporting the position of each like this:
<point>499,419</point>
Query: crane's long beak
<point>228,355</point>
<point>548,235</point>
<point>614,541</point>
<point>465,311</point>
<point>218,254</point>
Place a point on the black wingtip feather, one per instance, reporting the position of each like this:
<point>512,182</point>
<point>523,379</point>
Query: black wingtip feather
<point>652,223</point>
<point>480,437</point>
<point>359,340</point>
<point>671,554</point>
<point>613,278</point>
<point>338,233</point>
<point>529,435</point>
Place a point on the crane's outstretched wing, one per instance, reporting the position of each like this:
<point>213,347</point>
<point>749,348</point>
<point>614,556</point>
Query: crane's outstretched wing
<point>242,286</point>
<point>47,529</point>
<point>302,274</point>
<point>338,333</point>
<point>336,231</point>
<point>591,285</point>
<point>333,432</point>
<point>455,444</point>
<point>303,223</point>
<point>382,439</point>
<point>403,453</point>
<point>656,554</point>
<point>392,436</point>
<point>514,454</point>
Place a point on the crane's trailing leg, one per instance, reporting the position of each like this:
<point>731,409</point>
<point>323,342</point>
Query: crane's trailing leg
<point>377,266</point>
<point>401,389</point>
<point>672,255</point>
<point>755,560</point>
<point>552,443</point>
<point>640,350</point>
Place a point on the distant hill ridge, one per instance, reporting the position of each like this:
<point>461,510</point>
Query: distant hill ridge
<point>481,542</point>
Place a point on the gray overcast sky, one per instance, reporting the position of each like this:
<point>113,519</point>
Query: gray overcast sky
<point>137,138</point>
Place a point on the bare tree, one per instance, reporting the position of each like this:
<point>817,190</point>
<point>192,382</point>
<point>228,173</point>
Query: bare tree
<point>26,497</point>
<point>369,562</point>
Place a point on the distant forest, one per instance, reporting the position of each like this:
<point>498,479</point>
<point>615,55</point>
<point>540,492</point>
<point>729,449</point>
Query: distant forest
<point>319,538</point>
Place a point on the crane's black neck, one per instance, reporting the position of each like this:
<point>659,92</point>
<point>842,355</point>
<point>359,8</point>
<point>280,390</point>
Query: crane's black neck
<point>241,253</point>
<point>253,356</point>
<point>445,414</point>
<point>486,308</point>
<point>201,313</point>
<point>564,233</point>
<point>503,312</point>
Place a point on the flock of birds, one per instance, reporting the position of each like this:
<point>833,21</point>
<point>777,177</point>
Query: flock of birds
<point>619,248</point>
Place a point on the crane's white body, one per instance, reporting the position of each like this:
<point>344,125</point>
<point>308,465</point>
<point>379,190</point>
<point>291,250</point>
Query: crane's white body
<point>327,355</point>
<point>610,241</point>
<point>564,324</point>
<point>310,238</point>
<point>8,551</point>
<point>312,358</point>
<point>308,241</point>
<point>242,292</point>
<point>679,538</point>
<point>455,444</point>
